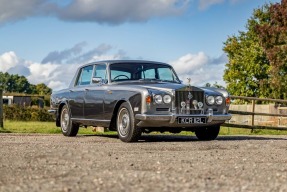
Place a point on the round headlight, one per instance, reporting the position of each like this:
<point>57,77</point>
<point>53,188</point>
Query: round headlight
<point>158,99</point>
<point>167,99</point>
<point>210,100</point>
<point>218,100</point>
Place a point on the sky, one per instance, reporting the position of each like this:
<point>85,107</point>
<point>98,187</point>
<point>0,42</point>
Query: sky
<point>47,40</point>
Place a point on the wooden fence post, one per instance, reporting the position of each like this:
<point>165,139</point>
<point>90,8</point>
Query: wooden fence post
<point>253,111</point>
<point>1,109</point>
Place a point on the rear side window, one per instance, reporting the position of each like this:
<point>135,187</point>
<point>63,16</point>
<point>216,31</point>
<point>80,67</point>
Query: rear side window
<point>85,75</point>
<point>100,72</point>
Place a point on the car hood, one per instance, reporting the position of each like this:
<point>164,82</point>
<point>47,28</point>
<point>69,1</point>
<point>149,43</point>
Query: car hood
<point>169,87</point>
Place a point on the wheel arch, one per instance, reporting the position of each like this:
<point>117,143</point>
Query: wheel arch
<point>113,126</point>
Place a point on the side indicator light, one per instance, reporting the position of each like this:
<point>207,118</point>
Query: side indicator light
<point>227,101</point>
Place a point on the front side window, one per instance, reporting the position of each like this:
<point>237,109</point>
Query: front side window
<point>85,75</point>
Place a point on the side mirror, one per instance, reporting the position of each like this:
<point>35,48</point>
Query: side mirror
<point>97,80</point>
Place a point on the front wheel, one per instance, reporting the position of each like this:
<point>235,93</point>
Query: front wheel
<point>67,126</point>
<point>126,126</point>
<point>207,133</point>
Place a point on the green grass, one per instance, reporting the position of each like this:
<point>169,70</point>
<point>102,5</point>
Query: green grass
<point>39,127</point>
<point>50,128</point>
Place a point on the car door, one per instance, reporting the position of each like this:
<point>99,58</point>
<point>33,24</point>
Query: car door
<point>77,93</point>
<point>94,94</point>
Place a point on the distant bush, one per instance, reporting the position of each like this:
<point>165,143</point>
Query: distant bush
<point>19,113</point>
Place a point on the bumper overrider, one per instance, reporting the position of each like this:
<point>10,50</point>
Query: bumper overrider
<point>172,120</point>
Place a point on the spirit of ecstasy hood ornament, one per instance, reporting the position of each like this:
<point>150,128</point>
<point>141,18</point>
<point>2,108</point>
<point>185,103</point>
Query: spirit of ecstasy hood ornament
<point>188,88</point>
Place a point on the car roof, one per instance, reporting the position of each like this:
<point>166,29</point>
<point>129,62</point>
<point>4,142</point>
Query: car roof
<point>123,61</point>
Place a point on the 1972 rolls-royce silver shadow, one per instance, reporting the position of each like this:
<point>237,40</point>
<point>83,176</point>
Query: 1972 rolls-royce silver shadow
<point>132,97</point>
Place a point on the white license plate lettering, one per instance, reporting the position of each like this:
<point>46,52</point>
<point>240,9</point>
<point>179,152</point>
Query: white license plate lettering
<point>191,120</point>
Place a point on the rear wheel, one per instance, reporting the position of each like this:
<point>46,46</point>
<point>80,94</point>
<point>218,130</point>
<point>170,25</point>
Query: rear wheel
<point>207,133</point>
<point>126,126</point>
<point>67,126</point>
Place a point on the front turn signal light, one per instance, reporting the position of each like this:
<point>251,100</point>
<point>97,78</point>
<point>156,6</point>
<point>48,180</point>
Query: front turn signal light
<point>148,99</point>
<point>227,101</point>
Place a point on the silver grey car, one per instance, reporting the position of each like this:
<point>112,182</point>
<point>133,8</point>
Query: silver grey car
<point>132,97</point>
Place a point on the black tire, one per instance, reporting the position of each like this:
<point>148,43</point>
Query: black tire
<point>207,133</point>
<point>67,126</point>
<point>126,126</point>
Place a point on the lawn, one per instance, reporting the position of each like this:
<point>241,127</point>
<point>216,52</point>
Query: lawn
<point>36,127</point>
<point>50,128</point>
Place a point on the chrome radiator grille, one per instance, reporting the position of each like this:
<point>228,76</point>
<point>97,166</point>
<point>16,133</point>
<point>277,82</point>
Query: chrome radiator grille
<point>188,97</point>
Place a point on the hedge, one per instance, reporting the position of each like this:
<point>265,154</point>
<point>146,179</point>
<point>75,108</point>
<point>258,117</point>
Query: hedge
<point>19,113</point>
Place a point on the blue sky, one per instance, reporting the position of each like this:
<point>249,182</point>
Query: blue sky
<point>46,40</point>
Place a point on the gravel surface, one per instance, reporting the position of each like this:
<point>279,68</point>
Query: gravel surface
<point>157,163</point>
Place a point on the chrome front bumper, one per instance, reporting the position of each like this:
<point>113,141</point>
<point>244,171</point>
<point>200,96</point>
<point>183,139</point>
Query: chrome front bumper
<point>172,118</point>
<point>52,111</point>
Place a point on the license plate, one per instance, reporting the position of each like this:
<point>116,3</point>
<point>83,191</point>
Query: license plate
<point>191,120</point>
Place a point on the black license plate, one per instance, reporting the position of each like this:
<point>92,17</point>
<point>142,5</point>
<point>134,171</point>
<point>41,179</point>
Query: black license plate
<point>191,120</point>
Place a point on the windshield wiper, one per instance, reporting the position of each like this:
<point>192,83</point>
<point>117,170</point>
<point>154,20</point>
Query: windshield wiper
<point>149,79</point>
<point>170,81</point>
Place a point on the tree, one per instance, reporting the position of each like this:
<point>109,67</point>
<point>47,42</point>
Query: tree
<point>215,85</point>
<point>43,89</point>
<point>20,84</point>
<point>246,73</point>
<point>273,39</point>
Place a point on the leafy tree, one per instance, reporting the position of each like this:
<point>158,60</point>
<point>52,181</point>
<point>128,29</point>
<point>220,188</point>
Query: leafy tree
<point>3,80</point>
<point>246,73</point>
<point>43,89</point>
<point>273,38</point>
<point>20,84</point>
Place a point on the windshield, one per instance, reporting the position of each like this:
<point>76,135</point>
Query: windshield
<point>142,71</point>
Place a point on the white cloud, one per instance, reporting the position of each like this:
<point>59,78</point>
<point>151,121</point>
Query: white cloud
<point>119,11</point>
<point>112,12</point>
<point>200,68</point>
<point>8,60</point>
<point>13,10</point>
<point>100,11</point>
<point>60,56</point>
<point>60,67</point>
<point>57,85</point>
<point>190,62</point>
<point>42,72</point>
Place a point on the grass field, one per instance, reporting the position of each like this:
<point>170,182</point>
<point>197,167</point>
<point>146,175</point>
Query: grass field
<point>50,128</point>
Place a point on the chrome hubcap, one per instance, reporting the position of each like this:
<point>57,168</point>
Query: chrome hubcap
<point>65,119</point>
<point>123,122</point>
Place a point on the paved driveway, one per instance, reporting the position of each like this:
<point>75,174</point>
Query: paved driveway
<point>156,163</point>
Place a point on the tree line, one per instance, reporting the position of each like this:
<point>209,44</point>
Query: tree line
<point>11,83</point>
<point>257,65</point>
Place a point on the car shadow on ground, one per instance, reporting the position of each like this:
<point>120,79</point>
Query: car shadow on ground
<point>185,138</point>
